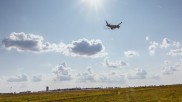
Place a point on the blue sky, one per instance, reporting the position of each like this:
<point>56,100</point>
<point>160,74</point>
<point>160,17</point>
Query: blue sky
<point>64,43</point>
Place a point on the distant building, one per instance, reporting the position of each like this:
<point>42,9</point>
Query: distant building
<point>47,88</point>
<point>25,92</point>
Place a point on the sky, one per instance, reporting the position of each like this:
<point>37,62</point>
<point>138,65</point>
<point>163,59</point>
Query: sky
<point>65,44</point>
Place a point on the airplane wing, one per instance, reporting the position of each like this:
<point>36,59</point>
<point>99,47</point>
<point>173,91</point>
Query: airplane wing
<point>119,23</point>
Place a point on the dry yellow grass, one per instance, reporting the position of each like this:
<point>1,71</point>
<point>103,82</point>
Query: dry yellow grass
<point>172,93</point>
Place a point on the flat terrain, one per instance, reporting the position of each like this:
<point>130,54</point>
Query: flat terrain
<point>172,93</point>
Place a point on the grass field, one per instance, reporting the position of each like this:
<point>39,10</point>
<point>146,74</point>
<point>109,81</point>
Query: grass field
<point>172,93</point>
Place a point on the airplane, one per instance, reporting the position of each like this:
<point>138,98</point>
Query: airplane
<point>110,26</point>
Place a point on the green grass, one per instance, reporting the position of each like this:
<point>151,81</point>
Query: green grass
<point>171,93</point>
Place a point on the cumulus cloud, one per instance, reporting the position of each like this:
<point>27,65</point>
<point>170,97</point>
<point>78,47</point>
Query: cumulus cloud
<point>112,77</point>
<point>178,65</point>
<point>165,44</point>
<point>62,72</point>
<point>155,76</point>
<point>87,48</point>
<point>169,68</point>
<point>176,44</point>
<point>36,43</point>
<point>19,78</point>
<point>116,64</point>
<point>139,74</point>
<point>27,42</point>
<point>88,76</point>
<point>131,53</point>
<point>152,47</point>
<point>37,78</point>
<point>175,52</point>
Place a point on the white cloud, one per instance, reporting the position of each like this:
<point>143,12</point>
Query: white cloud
<point>37,78</point>
<point>139,74</point>
<point>112,77</point>
<point>19,78</point>
<point>35,43</point>
<point>170,68</point>
<point>86,48</point>
<point>152,47</point>
<point>116,64</point>
<point>147,38</point>
<point>178,65</point>
<point>88,76</point>
<point>165,43</point>
<point>176,44</point>
<point>131,53</point>
<point>62,72</point>
<point>155,76</point>
<point>27,42</point>
<point>175,52</point>
<point>90,69</point>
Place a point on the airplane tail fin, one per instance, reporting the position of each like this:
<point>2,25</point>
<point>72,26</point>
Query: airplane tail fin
<point>107,23</point>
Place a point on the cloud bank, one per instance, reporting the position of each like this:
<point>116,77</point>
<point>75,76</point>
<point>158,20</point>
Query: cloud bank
<point>88,76</point>
<point>35,43</point>
<point>19,78</point>
<point>172,46</point>
<point>27,42</point>
<point>139,74</point>
<point>37,78</point>
<point>112,77</point>
<point>169,68</point>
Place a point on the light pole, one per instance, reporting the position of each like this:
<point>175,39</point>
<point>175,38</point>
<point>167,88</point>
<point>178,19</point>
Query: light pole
<point>10,89</point>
